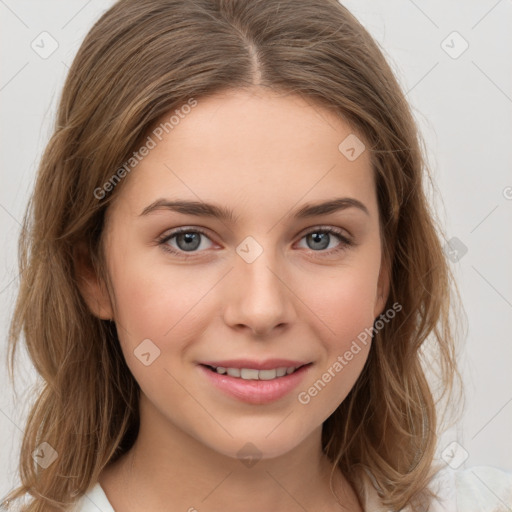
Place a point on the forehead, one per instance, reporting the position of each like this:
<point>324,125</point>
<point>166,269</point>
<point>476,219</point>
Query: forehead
<point>257,147</point>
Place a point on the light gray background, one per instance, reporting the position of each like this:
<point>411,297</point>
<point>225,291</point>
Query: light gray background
<point>463,106</point>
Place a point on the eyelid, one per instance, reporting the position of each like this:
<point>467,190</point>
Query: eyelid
<point>182,229</point>
<point>332,229</point>
<point>185,229</point>
<point>345,242</point>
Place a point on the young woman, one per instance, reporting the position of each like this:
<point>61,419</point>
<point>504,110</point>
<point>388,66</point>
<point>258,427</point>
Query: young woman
<point>231,282</point>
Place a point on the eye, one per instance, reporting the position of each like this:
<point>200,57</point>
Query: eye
<point>183,240</point>
<point>322,238</point>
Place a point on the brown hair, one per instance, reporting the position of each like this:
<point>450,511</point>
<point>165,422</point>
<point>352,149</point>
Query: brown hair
<point>141,60</point>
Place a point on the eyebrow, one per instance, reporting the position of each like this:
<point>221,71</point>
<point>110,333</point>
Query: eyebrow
<point>201,209</point>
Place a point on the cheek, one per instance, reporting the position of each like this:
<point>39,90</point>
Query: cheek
<point>162,303</point>
<point>344,316</point>
<point>343,302</point>
<point>165,306</point>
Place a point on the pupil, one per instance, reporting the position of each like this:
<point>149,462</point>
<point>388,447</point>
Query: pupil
<point>191,239</point>
<point>321,238</point>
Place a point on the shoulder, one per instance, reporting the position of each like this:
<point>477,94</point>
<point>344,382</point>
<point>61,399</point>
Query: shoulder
<point>482,489</point>
<point>95,500</point>
<point>475,489</point>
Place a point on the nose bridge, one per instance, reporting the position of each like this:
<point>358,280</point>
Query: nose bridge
<point>259,300</point>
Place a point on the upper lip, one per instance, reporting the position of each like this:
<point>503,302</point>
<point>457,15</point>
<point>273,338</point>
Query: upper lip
<point>268,364</point>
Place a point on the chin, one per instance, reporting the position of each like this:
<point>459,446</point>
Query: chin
<point>258,443</point>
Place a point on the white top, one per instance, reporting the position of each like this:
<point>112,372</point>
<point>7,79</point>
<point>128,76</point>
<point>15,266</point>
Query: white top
<point>476,489</point>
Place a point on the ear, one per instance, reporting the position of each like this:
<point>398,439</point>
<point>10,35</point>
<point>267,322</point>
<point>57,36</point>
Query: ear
<point>382,288</point>
<point>92,288</point>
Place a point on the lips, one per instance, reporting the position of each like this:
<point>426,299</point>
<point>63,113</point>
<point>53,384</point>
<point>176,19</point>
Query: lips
<point>255,382</point>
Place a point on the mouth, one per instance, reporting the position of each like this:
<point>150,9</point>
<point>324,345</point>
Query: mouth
<point>248,382</point>
<point>254,373</point>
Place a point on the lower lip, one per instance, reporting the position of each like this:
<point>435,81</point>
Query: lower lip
<point>256,391</point>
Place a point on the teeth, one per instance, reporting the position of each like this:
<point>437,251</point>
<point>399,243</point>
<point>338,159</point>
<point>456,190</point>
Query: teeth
<point>267,374</point>
<point>281,372</point>
<point>253,374</point>
<point>249,374</point>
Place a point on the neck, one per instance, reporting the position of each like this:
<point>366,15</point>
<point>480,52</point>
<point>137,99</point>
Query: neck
<point>168,469</point>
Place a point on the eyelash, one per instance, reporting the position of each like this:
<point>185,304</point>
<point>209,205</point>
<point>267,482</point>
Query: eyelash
<point>345,243</point>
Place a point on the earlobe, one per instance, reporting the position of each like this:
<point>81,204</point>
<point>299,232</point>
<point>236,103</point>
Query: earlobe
<point>92,288</point>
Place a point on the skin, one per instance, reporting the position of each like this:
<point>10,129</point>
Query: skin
<point>264,155</point>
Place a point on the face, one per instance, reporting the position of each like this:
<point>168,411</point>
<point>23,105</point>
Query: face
<point>272,284</point>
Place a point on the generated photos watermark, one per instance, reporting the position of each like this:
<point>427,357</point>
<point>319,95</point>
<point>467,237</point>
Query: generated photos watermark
<point>304,397</point>
<point>151,142</point>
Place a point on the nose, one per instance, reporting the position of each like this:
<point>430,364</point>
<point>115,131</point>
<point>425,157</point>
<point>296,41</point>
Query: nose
<point>260,300</point>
